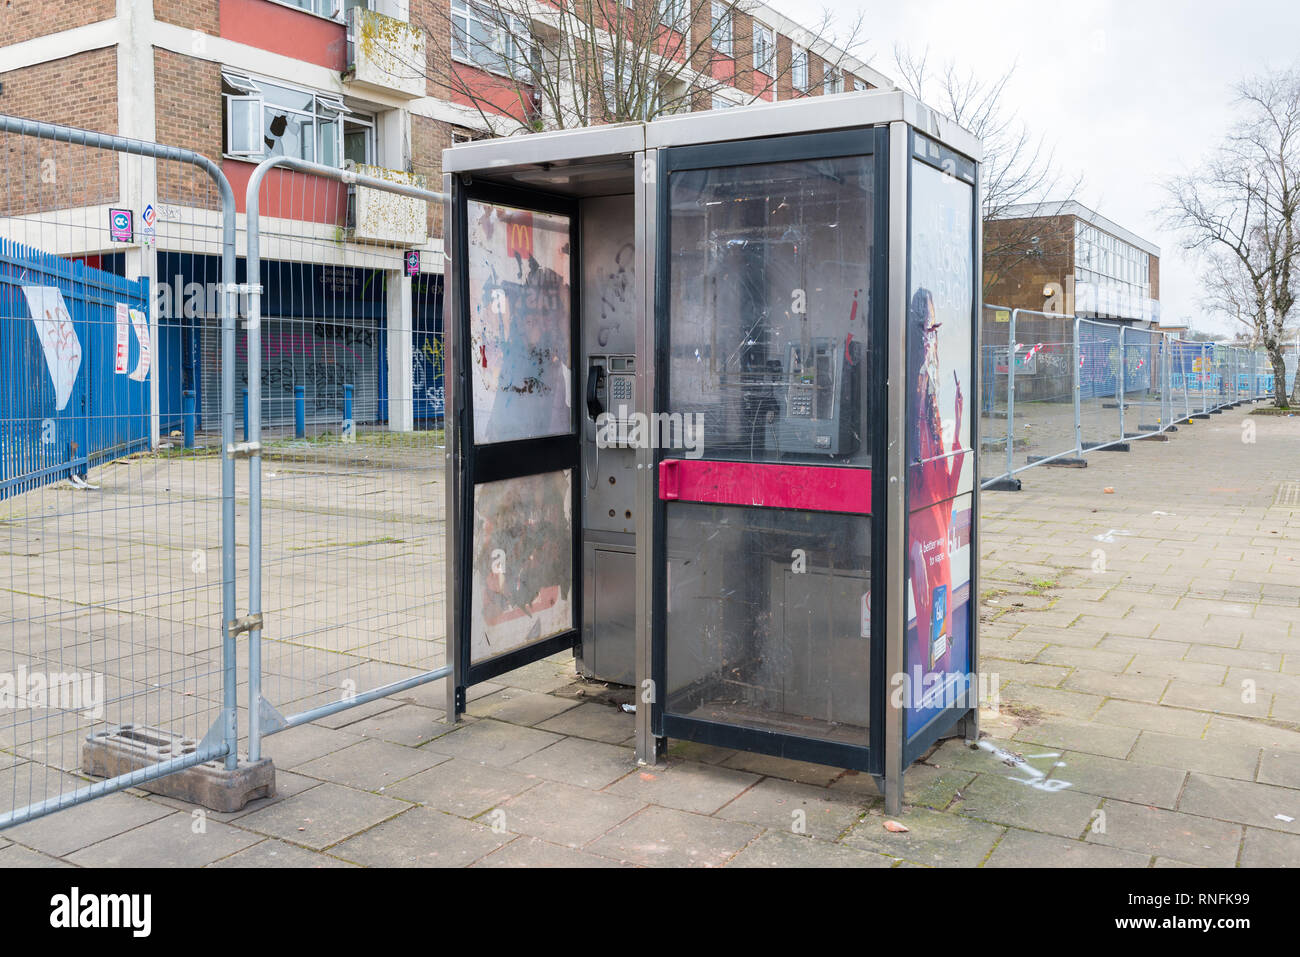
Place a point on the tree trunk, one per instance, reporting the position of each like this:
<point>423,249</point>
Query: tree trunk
<point>1278,362</point>
<point>1295,387</point>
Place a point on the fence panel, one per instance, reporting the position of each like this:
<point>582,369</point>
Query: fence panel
<point>995,332</point>
<point>347,555</point>
<point>1144,396</point>
<point>111,528</point>
<point>1100,365</point>
<point>1045,360</point>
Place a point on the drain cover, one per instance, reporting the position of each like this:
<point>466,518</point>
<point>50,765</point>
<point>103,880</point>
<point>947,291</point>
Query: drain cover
<point>1288,495</point>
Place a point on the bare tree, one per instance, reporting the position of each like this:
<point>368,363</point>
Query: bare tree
<point>1019,167</point>
<point>532,65</point>
<point>1238,211</point>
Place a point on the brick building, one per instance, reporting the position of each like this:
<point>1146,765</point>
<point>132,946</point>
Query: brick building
<point>338,82</point>
<point>1064,257</point>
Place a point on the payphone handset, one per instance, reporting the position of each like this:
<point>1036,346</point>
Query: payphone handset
<point>821,408</point>
<point>611,391</point>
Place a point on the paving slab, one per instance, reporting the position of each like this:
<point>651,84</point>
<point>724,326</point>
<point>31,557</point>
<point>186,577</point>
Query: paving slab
<point>1196,754</point>
<point>780,849</point>
<point>1004,800</point>
<point>494,742</point>
<point>801,809</point>
<point>323,816</point>
<point>1246,802</point>
<point>685,785</point>
<point>518,706</point>
<point>464,788</point>
<point>1107,740</point>
<point>1184,837</point>
<point>275,854</point>
<point>294,746</point>
<point>593,720</point>
<point>411,725</point>
<point>371,764</point>
<point>177,840</point>
<point>665,837</point>
<point>1265,848</point>
<point>1030,849</point>
<point>76,827</point>
<point>787,768</point>
<point>563,814</point>
<point>1128,780</point>
<point>529,852</point>
<point>934,838</point>
<point>1279,767</point>
<point>588,764</point>
<point>17,856</point>
<point>422,837</point>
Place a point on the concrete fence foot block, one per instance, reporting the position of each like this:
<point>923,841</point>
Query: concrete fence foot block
<point>1061,463</point>
<point>127,748</point>
<point>1003,485</point>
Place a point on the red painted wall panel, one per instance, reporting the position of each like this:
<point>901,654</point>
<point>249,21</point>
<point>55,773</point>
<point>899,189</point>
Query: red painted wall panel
<point>280,29</point>
<point>290,195</point>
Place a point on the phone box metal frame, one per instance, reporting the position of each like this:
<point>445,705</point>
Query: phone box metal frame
<point>678,573</point>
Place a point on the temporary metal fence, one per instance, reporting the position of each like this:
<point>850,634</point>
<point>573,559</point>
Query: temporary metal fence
<point>1057,387</point>
<point>116,539</point>
<point>347,499</point>
<point>128,395</point>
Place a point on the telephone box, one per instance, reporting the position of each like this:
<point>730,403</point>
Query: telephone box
<point>710,422</point>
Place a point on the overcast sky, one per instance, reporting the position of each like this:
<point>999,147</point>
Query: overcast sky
<point>1129,92</point>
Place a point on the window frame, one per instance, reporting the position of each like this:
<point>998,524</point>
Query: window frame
<point>767,64</point>
<point>324,105</point>
<point>508,61</point>
<point>672,14</point>
<point>725,45</point>
<point>798,66</point>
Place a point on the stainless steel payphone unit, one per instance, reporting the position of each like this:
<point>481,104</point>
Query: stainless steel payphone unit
<point>707,422</point>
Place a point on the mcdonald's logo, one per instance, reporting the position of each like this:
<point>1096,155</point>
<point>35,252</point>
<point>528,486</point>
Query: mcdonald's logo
<point>519,235</point>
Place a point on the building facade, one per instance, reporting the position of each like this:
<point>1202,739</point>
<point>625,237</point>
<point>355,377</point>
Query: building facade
<point>385,85</point>
<point>1066,258</point>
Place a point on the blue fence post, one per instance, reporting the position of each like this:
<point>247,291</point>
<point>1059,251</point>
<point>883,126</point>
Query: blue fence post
<point>245,415</point>
<point>187,410</point>
<point>347,407</point>
<point>299,412</point>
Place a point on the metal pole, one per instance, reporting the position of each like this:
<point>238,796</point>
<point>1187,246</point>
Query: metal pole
<point>1205,397</point>
<point>1166,400</point>
<point>1120,381</point>
<point>187,413</point>
<point>1011,392</point>
<point>1078,390</point>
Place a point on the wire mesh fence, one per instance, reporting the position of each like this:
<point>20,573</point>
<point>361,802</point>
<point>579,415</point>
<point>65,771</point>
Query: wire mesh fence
<point>1055,388</point>
<point>349,507</point>
<point>111,500</point>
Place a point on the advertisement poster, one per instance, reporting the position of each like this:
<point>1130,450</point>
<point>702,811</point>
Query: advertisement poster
<point>519,323</point>
<point>523,562</point>
<point>58,338</point>
<point>122,343</point>
<point>940,461</point>
<point>938,609</point>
